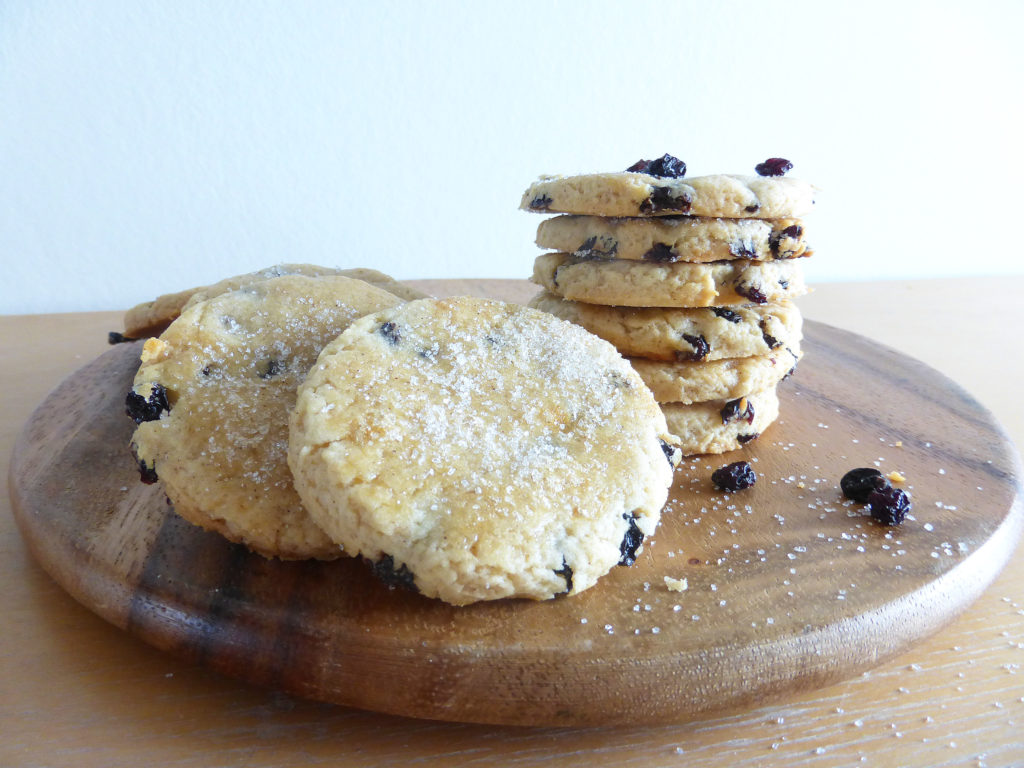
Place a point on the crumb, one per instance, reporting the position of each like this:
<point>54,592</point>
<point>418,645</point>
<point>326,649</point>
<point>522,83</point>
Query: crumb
<point>676,585</point>
<point>152,349</point>
<point>896,477</point>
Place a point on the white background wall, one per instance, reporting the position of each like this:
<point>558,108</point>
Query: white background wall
<point>149,146</point>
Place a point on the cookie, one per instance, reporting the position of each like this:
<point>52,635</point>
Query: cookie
<point>724,379</point>
<point>683,334</point>
<point>618,282</point>
<point>674,238</point>
<point>719,426</point>
<point>641,194</point>
<point>152,317</point>
<point>212,399</point>
<point>476,450</point>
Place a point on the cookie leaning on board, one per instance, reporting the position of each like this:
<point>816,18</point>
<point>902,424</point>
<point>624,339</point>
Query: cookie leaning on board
<point>696,271</point>
<point>521,422</point>
<point>151,318</point>
<point>212,397</point>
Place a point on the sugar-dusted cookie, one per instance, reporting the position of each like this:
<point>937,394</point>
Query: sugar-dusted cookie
<point>719,426</point>
<point>642,194</point>
<point>674,238</point>
<point>475,450</point>
<point>624,283</point>
<point>726,379</point>
<point>212,399</point>
<point>152,317</point>
<point>683,334</point>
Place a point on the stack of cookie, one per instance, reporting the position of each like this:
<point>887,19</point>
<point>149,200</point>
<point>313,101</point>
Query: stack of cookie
<point>691,279</point>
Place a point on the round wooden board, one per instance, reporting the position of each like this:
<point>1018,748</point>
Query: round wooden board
<point>788,587</point>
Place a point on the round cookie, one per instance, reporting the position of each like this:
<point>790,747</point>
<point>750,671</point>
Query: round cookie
<point>477,450</point>
<point>674,238</point>
<point>719,426</point>
<point>152,317</point>
<point>618,282</point>
<point>212,399</point>
<point>683,334</point>
<point>640,194</point>
<point>715,379</point>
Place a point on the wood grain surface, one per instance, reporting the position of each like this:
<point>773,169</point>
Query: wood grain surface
<point>788,588</point>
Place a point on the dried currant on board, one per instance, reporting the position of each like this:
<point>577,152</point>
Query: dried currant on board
<point>888,505</point>
<point>774,166</point>
<point>857,484</point>
<point>734,477</point>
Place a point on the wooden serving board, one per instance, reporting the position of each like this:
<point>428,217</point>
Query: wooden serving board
<point>788,587</point>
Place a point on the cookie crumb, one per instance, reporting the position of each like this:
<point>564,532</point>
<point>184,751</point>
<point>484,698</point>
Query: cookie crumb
<point>152,349</point>
<point>676,585</point>
<point>896,477</point>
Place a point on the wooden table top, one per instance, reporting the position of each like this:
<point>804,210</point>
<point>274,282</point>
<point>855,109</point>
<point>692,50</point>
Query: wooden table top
<point>76,691</point>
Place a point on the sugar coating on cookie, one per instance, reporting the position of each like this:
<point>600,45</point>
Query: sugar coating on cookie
<point>639,194</point>
<point>674,238</point>
<point>227,370</point>
<point>477,450</point>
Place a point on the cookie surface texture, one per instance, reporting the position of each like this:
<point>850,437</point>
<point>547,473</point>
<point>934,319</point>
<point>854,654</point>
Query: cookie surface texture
<point>625,283</point>
<point>476,450</point>
<point>674,238</point>
<point>639,194</point>
<point>152,318</point>
<point>683,334</point>
<point>228,369</point>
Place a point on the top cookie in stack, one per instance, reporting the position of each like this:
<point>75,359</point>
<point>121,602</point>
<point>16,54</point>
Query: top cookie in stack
<point>692,279</point>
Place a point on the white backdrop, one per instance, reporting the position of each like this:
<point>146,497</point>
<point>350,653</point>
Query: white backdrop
<point>149,146</point>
